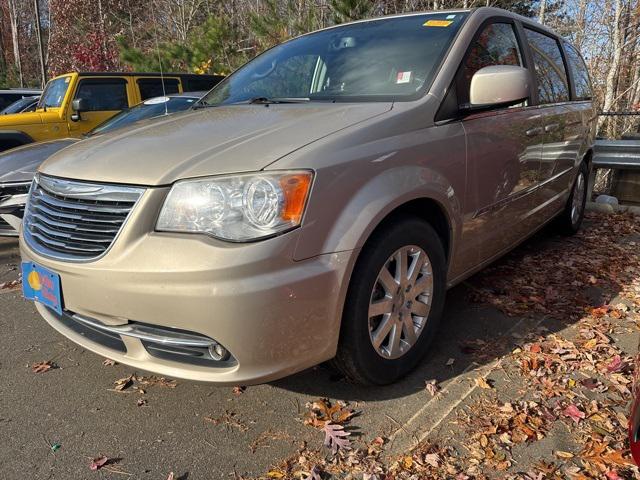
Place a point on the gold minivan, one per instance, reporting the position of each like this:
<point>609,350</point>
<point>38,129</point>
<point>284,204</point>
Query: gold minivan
<point>75,103</point>
<point>317,203</point>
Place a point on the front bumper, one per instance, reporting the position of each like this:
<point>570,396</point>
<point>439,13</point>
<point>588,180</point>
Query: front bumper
<point>13,198</point>
<point>274,315</point>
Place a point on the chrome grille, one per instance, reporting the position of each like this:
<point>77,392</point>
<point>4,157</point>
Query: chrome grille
<point>76,220</point>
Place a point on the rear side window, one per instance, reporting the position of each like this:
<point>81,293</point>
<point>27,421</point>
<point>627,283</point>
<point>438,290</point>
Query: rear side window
<point>152,87</point>
<point>197,83</point>
<point>549,66</point>
<point>104,94</point>
<point>496,45</point>
<point>7,99</point>
<point>580,73</point>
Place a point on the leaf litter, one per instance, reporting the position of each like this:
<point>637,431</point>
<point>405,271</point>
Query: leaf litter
<point>577,376</point>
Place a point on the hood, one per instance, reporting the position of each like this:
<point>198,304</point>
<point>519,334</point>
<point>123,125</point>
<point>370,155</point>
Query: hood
<point>20,164</point>
<point>12,120</point>
<point>210,141</point>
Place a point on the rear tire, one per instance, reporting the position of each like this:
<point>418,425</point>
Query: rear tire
<point>570,219</point>
<point>394,303</point>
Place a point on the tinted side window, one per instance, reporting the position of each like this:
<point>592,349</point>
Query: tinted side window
<point>152,87</point>
<point>550,72</point>
<point>579,72</point>
<point>104,94</point>
<point>496,45</point>
<point>7,99</point>
<point>200,83</point>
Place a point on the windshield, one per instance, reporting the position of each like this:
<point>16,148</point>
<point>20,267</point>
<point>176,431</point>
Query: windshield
<point>19,106</point>
<point>385,60</point>
<point>54,92</point>
<point>148,109</point>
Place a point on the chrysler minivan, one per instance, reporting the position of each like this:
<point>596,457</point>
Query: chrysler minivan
<point>317,203</point>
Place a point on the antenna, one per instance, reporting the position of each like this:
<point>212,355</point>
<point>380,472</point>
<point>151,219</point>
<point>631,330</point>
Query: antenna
<point>164,90</point>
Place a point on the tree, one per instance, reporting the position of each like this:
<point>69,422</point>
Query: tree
<point>350,10</point>
<point>15,35</point>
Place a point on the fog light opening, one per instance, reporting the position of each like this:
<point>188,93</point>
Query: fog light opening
<point>218,352</point>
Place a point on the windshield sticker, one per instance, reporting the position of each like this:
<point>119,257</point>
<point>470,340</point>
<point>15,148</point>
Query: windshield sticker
<point>403,77</point>
<point>438,23</point>
<point>156,101</point>
<point>450,17</point>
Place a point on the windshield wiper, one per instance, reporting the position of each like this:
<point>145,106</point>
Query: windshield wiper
<point>253,101</point>
<point>269,101</point>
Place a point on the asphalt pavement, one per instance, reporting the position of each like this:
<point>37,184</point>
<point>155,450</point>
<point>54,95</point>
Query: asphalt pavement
<point>53,423</point>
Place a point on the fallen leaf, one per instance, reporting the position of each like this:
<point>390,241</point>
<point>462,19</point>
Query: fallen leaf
<point>142,402</point>
<point>42,367</point>
<point>432,387</point>
<point>450,362</point>
<point>123,383</point>
<point>574,413</point>
<point>432,459</point>
<point>483,383</point>
<point>615,365</point>
<point>107,362</point>
<point>98,462</point>
<point>561,454</point>
<point>335,437</point>
<point>237,391</point>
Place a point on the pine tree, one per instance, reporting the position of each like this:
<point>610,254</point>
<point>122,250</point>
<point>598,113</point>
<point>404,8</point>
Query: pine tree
<point>350,10</point>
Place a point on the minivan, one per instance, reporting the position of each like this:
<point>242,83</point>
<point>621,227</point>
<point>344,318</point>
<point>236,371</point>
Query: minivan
<point>317,203</point>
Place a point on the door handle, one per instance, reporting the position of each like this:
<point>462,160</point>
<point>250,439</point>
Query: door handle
<point>552,127</point>
<point>534,132</point>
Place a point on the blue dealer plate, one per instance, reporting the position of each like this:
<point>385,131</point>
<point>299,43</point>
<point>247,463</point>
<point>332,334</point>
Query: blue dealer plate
<point>41,285</point>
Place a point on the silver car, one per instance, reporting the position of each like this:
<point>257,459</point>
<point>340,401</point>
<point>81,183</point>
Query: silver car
<point>318,202</point>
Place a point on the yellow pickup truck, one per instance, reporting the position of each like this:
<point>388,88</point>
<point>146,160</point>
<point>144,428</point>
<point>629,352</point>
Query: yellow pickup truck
<point>74,103</point>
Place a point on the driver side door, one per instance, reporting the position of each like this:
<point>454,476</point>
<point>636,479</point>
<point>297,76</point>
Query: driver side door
<point>104,98</point>
<point>504,148</point>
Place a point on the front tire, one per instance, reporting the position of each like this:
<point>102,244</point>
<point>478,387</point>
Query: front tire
<point>394,303</point>
<point>571,217</point>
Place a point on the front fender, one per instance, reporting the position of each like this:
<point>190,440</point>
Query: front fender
<point>343,224</point>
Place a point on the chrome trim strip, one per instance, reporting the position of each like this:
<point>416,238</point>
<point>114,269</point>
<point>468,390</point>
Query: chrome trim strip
<point>148,333</point>
<point>15,184</point>
<point>90,191</point>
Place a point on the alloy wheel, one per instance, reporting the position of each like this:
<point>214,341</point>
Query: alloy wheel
<point>400,302</point>
<point>577,204</point>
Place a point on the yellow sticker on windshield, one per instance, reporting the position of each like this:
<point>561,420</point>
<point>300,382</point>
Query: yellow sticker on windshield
<point>437,23</point>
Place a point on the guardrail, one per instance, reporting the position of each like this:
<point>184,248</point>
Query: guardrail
<point>616,155</point>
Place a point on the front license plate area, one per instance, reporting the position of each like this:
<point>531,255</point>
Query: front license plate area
<point>41,285</point>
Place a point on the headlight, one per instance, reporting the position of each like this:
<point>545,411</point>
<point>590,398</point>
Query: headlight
<point>237,207</point>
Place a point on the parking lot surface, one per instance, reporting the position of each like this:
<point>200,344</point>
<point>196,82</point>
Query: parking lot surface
<point>499,348</point>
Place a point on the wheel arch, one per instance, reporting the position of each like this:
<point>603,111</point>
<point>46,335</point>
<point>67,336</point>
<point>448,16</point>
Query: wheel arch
<point>427,209</point>
<point>13,138</point>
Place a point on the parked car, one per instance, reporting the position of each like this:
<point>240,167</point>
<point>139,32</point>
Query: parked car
<point>19,165</point>
<point>317,203</point>
<point>26,104</point>
<point>7,97</point>
<point>75,103</point>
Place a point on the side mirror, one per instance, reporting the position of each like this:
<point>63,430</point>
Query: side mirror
<point>498,85</point>
<point>79,105</point>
